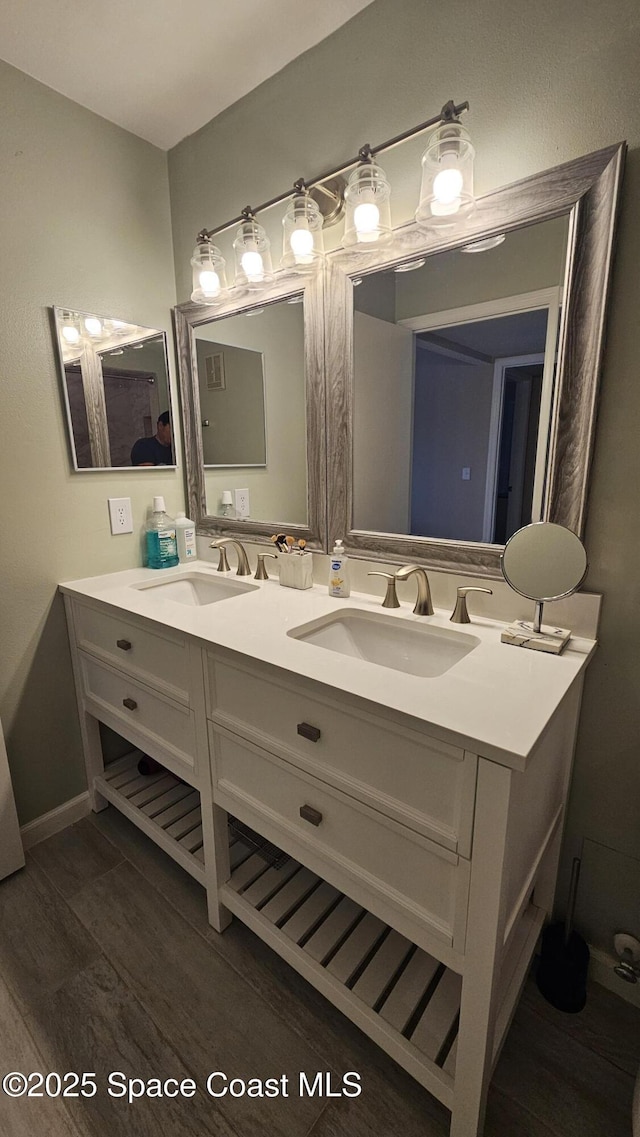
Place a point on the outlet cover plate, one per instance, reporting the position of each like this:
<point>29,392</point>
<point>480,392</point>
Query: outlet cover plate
<point>241,500</point>
<point>120,515</point>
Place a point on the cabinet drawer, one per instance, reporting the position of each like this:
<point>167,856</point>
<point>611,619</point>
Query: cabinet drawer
<point>425,784</point>
<point>164,728</point>
<point>342,840</point>
<point>158,660</point>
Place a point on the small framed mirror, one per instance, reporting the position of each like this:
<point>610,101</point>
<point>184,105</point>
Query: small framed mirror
<point>462,394</point>
<point>253,397</point>
<point>543,562</point>
<point>115,382</point>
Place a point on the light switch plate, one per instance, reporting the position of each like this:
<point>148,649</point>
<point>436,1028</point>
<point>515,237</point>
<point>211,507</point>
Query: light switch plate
<point>241,499</point>
<point>120,515</point>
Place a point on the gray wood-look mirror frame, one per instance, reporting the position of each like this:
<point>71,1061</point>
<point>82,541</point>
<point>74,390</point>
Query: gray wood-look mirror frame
<point>587,191</point>
<point>190,316</point>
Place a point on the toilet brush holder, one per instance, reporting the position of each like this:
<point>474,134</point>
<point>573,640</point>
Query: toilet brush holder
<point>564,959</point>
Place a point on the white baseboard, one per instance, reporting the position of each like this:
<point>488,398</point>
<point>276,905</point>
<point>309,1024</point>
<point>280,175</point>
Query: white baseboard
<point>601,967</point>
<point>57,819</point>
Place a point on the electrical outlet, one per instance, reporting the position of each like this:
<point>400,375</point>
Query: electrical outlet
<point>120,515</point>
<point>466,473</point>
<point>241,498</point>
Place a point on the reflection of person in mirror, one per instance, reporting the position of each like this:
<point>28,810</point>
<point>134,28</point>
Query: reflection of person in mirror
<point>156,451</point>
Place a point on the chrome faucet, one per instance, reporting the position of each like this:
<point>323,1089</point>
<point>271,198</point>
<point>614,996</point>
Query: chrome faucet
<point>423,605</point>
<point>223,564</point>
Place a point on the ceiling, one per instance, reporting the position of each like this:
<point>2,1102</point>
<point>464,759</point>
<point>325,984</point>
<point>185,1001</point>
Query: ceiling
<point>158,68</point>
<point>519,333</point>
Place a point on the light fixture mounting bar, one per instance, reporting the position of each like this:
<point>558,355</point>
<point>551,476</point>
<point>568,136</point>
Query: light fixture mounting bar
<point>449,113</point>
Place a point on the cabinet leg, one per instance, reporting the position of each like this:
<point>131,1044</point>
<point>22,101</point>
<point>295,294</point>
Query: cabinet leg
<point>485,931</point>
<point>98,802</point>
<point>470,1096</point>
<point>219,916</point>
<point>215,833</point>
<point>94,761</point>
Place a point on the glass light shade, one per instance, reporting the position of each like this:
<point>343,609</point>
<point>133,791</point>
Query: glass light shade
<point>303,243</point>
<point>446,195</point>
<point>209,276</point>
<point>70,329</point>
<point>93,326</point>
<point>367,196</point>
<point>252,250</point>
<point>484,245</point>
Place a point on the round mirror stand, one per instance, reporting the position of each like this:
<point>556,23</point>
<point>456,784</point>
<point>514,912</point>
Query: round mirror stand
<point>543,562</point>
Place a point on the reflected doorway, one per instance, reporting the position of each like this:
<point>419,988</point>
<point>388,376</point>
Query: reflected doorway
<point>482,395</point>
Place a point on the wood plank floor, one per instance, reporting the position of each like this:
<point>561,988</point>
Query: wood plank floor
<point>107,963</point>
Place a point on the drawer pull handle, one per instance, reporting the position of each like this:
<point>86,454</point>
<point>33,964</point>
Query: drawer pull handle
<point>308,813</point>
<point>308,731</point>
<point>124,645</point>
<point>130,704</point>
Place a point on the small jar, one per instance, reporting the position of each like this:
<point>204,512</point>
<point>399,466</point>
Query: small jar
<point>296,570</point>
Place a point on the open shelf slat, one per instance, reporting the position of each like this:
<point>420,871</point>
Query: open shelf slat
<point>172,797</point>
<point>411,985</point>
<point>337,924</point>
<point>356,947</point>
<point>380,971</point>
<point>312,913</point>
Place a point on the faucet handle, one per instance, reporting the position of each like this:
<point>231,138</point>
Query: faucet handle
<point>261,572</point>
<point>391,596</point>
<point>223,562</point>
<point>460,614</point>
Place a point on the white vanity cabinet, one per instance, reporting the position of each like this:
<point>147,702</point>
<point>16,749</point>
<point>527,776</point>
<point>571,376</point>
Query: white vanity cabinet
<point>420,865</point>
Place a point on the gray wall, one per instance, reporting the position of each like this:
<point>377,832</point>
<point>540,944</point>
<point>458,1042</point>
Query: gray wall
<point>84,223</point>
<point>277,491</point>
<point>235,433</point>
<point>546,83</point>
<point>383,409</point>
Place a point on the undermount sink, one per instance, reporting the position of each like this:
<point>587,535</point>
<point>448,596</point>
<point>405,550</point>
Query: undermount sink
<point>390,641</point>
<point>195,588</point>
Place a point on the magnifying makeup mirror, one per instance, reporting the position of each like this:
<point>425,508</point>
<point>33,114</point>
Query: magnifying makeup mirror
<point>543,562</point>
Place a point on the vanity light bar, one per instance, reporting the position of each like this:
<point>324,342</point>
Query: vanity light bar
<point>449,114</point>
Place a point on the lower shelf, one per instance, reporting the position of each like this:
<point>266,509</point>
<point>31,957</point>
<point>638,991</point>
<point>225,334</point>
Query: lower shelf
<point>164,807</point>
<point>399,995</point>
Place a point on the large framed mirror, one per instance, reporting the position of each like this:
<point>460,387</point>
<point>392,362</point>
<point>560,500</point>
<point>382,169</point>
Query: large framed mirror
<point>115,382</point>
<point>253,399</point>
<point>462,372</point>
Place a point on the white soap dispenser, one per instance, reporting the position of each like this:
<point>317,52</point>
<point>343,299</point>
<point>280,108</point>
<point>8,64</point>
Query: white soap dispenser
<point>339,572</point>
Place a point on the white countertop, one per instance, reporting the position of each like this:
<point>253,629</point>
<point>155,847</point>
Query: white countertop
<point>497,700</point>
